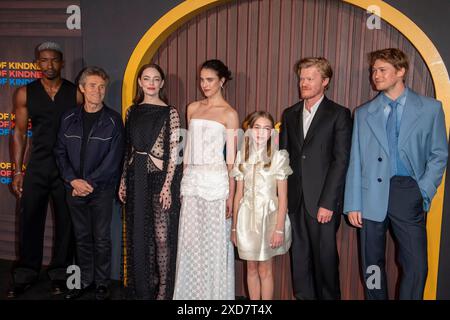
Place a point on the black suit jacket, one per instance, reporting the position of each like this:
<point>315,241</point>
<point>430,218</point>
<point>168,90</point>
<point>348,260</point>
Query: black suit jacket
<point>319,160</point>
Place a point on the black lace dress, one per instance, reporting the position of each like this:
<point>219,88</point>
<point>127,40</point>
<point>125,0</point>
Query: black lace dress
<point>150,232</point>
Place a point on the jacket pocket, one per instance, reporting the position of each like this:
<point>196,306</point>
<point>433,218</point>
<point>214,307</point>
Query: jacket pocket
<point>71,136</point>
<point>100,138</point>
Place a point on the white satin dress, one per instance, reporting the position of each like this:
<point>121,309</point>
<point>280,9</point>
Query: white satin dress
<point>205,257</point>
<point>258,208</point>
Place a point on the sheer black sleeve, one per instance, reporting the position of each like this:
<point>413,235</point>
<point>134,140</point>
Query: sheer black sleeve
<point>174,125</point>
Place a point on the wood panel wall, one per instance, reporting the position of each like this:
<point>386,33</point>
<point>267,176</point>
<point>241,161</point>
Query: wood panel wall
<point>261,41</point>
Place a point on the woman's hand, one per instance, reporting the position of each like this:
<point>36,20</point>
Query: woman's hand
<point>277,239</point>
<point>229,212</point>
<point>233,237</point>
<point>165,197</point>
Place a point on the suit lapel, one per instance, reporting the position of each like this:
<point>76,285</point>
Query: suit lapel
<point>376,121</point>
<point>318,118</point>
<point>411,113</point>
<point>299,124</point>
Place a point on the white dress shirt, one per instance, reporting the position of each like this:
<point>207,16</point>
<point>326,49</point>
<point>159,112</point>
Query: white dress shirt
<point>309,116</point>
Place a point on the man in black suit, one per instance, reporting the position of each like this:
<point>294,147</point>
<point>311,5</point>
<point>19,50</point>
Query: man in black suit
<point>317,134</point>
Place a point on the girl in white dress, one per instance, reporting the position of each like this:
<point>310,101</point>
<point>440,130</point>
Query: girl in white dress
<point>205,257</point>
<point>261,229</point>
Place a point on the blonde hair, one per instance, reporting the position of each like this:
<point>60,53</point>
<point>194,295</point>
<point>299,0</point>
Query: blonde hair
<point>322,64</point>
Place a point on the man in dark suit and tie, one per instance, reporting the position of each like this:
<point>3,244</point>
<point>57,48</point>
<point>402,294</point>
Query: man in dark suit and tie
<point>317,134</point>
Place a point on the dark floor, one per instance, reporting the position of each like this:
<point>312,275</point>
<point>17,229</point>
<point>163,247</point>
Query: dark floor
<point>41,290</point>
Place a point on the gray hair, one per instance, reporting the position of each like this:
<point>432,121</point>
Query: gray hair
<point>92,71</point>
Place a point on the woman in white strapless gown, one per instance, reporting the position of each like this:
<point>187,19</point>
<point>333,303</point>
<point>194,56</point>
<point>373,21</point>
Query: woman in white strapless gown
<point>205,255</point>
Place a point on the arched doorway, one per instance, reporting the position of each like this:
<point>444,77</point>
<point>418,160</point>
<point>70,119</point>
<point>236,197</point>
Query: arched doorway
<point>261,41</point>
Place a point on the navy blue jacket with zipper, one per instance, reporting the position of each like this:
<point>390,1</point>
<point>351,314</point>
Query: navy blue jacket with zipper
<point>104,148</point>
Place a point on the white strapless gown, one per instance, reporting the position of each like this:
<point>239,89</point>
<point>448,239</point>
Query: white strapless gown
<point>205,258</point>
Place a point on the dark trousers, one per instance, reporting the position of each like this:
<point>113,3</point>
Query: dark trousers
<point>91,218</point>
<point>406,218</point>
<point>314,257</point>
<point>38,187</point>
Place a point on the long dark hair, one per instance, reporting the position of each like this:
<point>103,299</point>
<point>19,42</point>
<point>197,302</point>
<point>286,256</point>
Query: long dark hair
<point>139,97</point>
<point>248,124</point>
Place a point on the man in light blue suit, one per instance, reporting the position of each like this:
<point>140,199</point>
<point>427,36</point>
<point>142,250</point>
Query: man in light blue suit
<point>398,157</point>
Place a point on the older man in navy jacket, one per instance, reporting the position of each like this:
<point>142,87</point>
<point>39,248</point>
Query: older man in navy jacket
<point>398,157</point>
<point>89,152</point>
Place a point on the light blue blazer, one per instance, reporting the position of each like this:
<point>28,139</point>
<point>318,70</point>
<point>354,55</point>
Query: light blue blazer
<point>422,148</point>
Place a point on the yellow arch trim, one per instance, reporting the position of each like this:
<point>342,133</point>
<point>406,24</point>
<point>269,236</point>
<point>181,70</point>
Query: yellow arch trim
<point>152,39</point>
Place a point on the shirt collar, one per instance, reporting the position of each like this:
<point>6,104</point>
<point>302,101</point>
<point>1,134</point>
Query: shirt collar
<point>401,100</point>
<point>314,107</point>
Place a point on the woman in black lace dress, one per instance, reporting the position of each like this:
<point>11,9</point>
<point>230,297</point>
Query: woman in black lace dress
<point>150,190</point>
